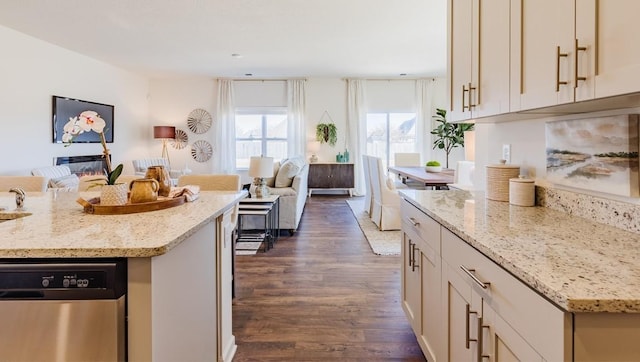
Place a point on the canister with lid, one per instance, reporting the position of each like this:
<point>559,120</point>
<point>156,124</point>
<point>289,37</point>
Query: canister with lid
<point>522,191</point>
<point>498,180</point>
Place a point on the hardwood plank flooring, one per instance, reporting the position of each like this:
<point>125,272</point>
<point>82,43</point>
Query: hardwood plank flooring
<point>321,295</point>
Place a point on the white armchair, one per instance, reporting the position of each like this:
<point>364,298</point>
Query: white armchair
<point>59,177</point>
<point>386,201</point>
<point>368,197</point>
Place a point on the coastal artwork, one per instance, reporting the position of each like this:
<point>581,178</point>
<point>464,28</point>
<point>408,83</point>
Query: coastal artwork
<point>597,154</point>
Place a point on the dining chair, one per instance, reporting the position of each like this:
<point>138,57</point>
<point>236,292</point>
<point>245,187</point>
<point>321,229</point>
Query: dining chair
<point>386,201</point>
<point>26,183</point>
<point>463,176</point>
<point>407,159</point>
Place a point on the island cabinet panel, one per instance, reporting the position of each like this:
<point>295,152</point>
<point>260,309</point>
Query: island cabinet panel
<point>331,176</point>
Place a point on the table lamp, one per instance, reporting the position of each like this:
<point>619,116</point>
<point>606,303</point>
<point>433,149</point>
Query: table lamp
<point>261,168</point>
<point>164,133</point>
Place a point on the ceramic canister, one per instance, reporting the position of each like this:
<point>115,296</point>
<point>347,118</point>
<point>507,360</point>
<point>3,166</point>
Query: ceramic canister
<point>522,191</point>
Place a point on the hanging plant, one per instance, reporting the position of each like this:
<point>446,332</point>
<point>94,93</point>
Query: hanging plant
<point>327,133</point>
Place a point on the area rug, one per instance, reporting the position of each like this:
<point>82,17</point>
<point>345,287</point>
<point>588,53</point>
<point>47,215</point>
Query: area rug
<point>381,242</point>
<point>247,247</point>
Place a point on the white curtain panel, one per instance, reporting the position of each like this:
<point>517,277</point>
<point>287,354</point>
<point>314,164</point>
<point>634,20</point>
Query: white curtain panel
<point>424,120</point>
<point>356,129</point>
<point>296,99</point>
<point>225,158</point>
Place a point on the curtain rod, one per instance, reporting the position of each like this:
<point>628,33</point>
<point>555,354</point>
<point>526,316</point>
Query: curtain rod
<point>389,79</point>
<point>265,80</point>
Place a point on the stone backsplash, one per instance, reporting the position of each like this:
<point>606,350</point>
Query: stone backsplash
<point>611,212</point>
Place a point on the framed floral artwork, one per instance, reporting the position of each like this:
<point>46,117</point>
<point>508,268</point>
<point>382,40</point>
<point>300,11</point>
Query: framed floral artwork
<point>597,154</point>
<point>66,110</point>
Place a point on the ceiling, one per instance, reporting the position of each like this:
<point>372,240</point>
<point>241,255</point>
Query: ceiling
<point>274,38</point>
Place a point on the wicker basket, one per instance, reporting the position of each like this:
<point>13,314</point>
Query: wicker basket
<point>522,191</point>
<point>498,181</point>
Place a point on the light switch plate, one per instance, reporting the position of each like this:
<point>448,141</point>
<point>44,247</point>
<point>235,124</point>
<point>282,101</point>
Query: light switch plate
<point>506,153</point>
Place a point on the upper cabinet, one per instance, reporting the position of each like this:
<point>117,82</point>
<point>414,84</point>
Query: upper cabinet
<point>478,58</point>
<point>508,58</point>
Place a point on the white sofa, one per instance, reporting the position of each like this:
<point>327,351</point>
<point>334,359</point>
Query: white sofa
<point>59,177</point>
<point>293,195</point>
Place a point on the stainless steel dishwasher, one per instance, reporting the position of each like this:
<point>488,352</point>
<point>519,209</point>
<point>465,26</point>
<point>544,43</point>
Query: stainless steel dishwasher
<point>63,309</point>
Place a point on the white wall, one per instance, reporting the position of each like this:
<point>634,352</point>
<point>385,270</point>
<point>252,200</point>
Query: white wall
<point>32,72</point>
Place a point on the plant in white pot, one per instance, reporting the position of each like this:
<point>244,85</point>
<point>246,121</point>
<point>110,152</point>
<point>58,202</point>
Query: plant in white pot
<point>448,135</point>
<point>433,166</point>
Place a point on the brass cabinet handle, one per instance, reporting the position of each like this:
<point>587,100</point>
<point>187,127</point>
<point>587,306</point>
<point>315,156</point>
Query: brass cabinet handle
<point>471,105</point>
<point>414,266</point>
<point>480,351</point>
<point>558,56</point>
<point>578,48</point>
<point>470,273</point>
<point>410,253</point>
<point>464,90</point>
<point>467,337</point>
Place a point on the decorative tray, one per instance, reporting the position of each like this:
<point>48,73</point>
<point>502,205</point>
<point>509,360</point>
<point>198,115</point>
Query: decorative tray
<point>92,206</point>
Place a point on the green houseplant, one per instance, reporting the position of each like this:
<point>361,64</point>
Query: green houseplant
<point>327,133</point>
<point>448,135</point>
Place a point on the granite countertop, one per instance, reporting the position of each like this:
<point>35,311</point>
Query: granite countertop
<point>580,265</point>
<point>58,226</point>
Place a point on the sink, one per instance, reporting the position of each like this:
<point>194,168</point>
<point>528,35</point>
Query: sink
<point>6,216</point>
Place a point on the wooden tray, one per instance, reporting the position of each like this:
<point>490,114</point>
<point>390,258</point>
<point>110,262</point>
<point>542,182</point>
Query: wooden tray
<point>92,206</point>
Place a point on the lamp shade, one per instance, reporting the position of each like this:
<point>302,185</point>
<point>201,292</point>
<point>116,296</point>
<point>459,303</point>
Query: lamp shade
<point>164,132</point>
<point>261,167</point>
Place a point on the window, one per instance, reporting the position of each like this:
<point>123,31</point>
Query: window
<point>388,133</point>
<point>260,132</point>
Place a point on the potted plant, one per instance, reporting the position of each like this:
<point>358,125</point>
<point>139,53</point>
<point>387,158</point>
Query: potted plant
<point>433,166</point>
<point>448,135</point>
<point>327,133</point>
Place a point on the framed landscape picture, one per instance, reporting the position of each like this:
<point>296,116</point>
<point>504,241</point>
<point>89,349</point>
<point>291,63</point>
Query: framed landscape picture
<point>598,154</point>
<point>66,108</point>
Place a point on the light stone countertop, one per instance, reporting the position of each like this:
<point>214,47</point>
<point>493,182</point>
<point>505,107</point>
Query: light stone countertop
<point>580,265</point>
<point>58,226</point>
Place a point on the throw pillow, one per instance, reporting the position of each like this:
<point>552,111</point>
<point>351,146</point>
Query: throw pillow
<point>271,181</point>
<point>70,181</point>
<point>287,172</point>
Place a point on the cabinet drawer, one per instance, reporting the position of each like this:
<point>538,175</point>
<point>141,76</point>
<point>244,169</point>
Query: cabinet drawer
<point>543,325</point>
<point>418,223</point>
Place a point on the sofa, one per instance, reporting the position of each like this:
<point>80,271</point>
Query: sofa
<point>290,182</point>
<point>59,177</point>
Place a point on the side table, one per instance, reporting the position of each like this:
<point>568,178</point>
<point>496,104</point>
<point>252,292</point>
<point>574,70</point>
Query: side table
<point>267,207</point>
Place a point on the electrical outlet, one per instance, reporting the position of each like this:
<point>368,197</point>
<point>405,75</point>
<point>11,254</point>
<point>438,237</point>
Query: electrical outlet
<point>506,153</point>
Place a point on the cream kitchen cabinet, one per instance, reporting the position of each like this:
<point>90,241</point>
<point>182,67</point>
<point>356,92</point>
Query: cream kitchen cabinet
<point>566,51</point>
<point>497,315</point>
<point>421,276</point>
<point>478,58</point>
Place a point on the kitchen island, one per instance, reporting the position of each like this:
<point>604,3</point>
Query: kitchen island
<point>179,265</point>
<point>565,287</point>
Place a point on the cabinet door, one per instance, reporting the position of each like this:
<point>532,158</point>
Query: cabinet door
<point>462,316</point>
<point>611,44</point>
<point>501,343</point>
<point>492,79</point>
<point>430,336</point>
<point>460,58</point>
<point>545,25</point>
<point>411,285</point>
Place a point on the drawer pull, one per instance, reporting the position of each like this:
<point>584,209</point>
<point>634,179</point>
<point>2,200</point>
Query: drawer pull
<point>470,273</point>
<point>467,337</point>
<point>414,266</point>
<point>413,221</point>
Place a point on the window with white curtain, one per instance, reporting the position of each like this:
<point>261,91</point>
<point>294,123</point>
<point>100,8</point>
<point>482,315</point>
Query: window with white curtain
<point>260,132</point>
<point>388,133</point>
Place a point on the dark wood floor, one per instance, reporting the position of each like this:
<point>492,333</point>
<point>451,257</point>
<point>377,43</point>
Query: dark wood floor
<point>321,295</point>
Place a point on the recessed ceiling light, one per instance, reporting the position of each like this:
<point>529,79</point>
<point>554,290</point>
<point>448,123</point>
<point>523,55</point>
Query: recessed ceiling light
<point>236,55</point>
<point>403,74</point>
<point>248,74</point>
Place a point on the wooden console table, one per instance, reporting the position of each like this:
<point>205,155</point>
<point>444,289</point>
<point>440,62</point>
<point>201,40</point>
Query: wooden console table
<point>331,176</point>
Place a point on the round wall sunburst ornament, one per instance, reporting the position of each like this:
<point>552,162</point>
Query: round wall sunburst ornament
<point>181,139</point>
<point>201,151</point>
<point>199,121</point>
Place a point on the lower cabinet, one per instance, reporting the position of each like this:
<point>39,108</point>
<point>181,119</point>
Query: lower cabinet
<point>470,309</point>
<point>331,176</point>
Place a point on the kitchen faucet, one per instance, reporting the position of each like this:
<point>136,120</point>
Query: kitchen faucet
<point>20,195</point>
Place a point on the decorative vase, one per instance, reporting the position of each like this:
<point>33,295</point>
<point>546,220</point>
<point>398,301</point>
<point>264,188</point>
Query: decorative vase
<point>160,174</point>
<point>113,195</point>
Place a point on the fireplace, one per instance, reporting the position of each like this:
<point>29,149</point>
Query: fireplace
<point>83,165</point>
